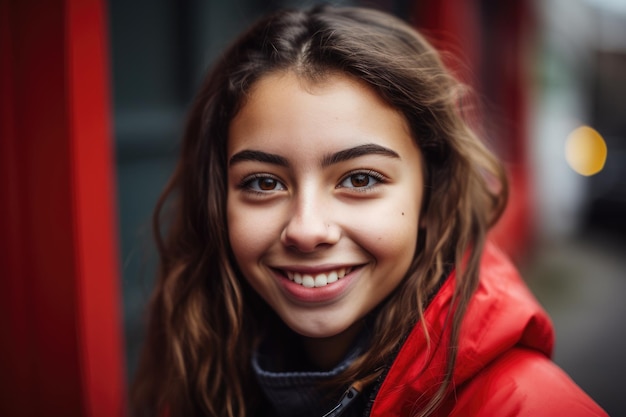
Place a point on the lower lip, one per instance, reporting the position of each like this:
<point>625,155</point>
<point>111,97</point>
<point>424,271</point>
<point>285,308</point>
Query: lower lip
<point>316,295</point>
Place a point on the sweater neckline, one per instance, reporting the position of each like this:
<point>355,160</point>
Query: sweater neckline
<point>295,388</point>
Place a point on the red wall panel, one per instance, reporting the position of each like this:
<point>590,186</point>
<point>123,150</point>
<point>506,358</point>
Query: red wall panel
<point>61,340</point>
<point>485,44</point>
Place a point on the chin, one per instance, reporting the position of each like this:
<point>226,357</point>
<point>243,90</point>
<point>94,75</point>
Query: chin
<point>318,328</point>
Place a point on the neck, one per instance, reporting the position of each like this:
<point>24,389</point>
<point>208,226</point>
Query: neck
<point>325,353</point>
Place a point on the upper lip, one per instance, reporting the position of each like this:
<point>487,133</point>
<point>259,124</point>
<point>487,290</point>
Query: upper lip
<point>317,269</point>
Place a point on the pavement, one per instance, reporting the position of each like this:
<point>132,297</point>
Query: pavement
<point>581,282</point>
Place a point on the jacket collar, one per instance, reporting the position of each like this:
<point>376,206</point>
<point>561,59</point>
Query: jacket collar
<point>502,314</point>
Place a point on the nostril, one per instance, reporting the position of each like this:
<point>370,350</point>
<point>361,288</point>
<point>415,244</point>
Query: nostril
<point>306,233</point>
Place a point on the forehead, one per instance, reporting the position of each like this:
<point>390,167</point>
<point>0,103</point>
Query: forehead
<point>284,112</point>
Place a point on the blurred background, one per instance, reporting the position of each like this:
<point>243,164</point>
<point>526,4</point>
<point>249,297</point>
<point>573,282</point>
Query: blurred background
<point>551,74</point>
<point>543,68</point>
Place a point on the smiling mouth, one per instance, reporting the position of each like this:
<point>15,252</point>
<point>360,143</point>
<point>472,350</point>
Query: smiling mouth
<point>319,279</point>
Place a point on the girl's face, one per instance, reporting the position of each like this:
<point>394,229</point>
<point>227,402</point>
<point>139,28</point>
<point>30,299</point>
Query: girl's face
<point>325,187</point>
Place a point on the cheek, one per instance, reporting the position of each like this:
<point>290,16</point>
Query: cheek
<point>398,241</point>
<point>391,235</point>
<point>250,233</point>
<point>237,225</point>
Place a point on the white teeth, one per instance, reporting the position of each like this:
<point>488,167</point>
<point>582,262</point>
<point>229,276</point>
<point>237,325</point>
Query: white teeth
<point>308,281</point>
<point>319,280</point>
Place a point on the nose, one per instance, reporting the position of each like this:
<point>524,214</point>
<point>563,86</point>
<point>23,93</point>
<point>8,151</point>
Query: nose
<point>310,225</point>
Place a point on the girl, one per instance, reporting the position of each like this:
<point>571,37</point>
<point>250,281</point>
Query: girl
<point>325,251</point>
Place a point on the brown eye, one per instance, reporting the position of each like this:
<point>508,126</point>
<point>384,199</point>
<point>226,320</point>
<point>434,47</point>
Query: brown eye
<point>267,184</point>
<point>262,183</point>
<point>359,180</point>
<point>362,180</point>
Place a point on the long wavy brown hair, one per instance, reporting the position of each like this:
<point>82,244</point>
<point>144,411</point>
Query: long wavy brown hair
<point>203,318</point>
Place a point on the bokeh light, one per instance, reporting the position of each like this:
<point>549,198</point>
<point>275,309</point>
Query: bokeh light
<point>585,151</point>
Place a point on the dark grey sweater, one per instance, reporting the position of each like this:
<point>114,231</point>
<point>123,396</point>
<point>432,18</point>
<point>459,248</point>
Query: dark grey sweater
<point>297,393</point>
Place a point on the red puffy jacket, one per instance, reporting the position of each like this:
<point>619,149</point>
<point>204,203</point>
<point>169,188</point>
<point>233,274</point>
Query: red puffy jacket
<point>503,366</point>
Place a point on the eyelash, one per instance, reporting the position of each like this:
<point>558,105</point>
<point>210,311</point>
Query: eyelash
<point>371,174</point>
<point>247,183</point>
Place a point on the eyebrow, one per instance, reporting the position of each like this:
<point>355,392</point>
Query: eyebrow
<point>358,151</point>
<point>331,159</point>
<point>259,156</point>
